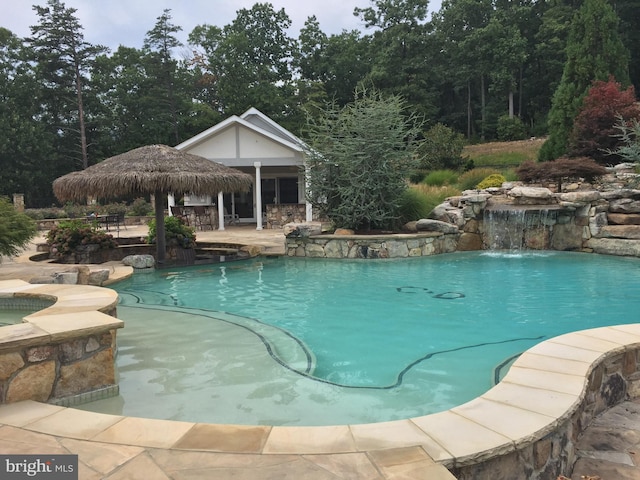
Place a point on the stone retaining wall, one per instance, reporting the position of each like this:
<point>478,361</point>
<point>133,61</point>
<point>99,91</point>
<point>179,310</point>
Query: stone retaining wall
<point>371,246</point>
<point>63,353</point>
<point>612,380</point>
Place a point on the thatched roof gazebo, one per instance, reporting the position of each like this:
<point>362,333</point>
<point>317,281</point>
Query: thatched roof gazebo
<point>153,169</point>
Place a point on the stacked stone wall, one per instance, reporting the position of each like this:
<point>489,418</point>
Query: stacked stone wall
<point>371,246</point>
<point>53,372</point>
<point>610,382</point>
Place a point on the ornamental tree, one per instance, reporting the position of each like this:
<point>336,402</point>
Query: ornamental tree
<point>561,169</point>
<point>358,159</point>
<point>594,130</point>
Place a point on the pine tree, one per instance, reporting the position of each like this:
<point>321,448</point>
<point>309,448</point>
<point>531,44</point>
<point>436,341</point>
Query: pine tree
<point>594,52</point>
<point>63,61</point>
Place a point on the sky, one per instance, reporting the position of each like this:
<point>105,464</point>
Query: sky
<point>126,22</point>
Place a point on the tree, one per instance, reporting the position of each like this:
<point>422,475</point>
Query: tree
<point>441,149</point>
<point>399,46</point>
<point>16,229</point>
<point>250,61</point>
<point>594,52</point>
<point>359,159</point>
<point>160,42</point>
<point>25,147</point>
<point>64,59</point>
<point>594,130</point>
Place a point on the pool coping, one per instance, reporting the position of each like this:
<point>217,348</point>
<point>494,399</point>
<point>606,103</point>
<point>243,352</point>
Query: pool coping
<point>545,387</point>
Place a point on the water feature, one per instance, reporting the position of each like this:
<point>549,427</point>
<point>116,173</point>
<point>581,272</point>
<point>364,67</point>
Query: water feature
<point>308,342</point>
<point>511,227</point>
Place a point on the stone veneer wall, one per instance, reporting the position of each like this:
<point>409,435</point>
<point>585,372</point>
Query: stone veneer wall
<point>64,354</point>
<point>371,246</point>
<point>611,381</point>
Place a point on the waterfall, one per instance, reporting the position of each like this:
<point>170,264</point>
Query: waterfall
<point>517,227</point>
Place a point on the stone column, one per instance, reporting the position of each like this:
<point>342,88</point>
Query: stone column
<point>18,202</point>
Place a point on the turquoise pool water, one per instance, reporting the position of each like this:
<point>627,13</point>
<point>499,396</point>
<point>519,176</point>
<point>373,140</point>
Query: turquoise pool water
<point>350,341</point>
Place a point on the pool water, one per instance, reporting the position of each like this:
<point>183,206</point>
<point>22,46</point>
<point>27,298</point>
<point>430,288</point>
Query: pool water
<point>289,341</point>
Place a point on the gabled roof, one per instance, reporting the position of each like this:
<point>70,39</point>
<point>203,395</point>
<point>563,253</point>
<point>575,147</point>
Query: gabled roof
<point>254,120</point>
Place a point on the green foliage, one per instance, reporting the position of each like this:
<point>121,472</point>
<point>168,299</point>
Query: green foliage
<point>45,213</point>
<point>359,159</point>
<point>470,180</point>
<point>16,229</point>
<point>414,205</point>
<point>511,128</point>
<point>629,137</point>
<point>175,232</point>
<point>438,178</point>
<point>68,236</point>
<point>493,180</point>
<point>419,200</point>
<point>594,52</point>
<point>441,148</point>
<point>141,208</point>
<point>73,210</point>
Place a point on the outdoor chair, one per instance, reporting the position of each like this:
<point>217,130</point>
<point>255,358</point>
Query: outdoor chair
<point>231,218</point>
<point>180,213</point>
<point>203,217</point>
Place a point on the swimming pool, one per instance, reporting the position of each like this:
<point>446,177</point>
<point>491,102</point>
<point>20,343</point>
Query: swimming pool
<point>312,342</point>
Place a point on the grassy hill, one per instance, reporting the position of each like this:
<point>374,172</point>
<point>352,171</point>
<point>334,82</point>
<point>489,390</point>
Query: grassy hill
<point>503,154</point>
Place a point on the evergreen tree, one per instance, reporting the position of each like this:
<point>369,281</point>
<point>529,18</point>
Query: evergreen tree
<point>359,159</point>
<point>594,52</point>
<point>63,59</point>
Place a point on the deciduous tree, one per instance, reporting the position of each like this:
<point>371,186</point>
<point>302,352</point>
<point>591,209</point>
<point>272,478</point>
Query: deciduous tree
<point>594,130</point>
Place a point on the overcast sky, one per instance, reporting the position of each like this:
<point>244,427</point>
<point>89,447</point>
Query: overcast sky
<point>125,22</point>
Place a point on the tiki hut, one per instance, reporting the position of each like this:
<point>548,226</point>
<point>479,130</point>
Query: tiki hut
<point>156,170</point>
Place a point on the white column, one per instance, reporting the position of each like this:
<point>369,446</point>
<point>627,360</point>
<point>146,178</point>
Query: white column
<point>309,208</point>
<point>258,212</point>
<point>220,211</point>
<point>171,202</point>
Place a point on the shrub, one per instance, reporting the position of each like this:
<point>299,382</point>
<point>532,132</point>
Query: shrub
<point>113,208</point>
<point>73,210</point>
<point>470,180</point>
<point>493,180</point>
<point>141,208</point>
<point>561,169</point>
<point>511,128</point>
<point>442,148</point>
<point>629,136</point>
<point>65,238</point>
<point>438,178</point>
<point>175,231</point>
<point>419,200</point>
<point>16,229</point>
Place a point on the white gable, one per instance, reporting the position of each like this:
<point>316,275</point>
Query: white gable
<point>241,141</point>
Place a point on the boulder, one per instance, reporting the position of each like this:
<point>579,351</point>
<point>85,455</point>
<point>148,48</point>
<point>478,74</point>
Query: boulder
<point>623,218</point>
<point>631,232</point>
<point>139,261</point>
<point>428,225</point>
<point>532,196</point>
<point>301,229</point>
<point>624,205</point>
<point>580,197</point>
<point>614,246</point>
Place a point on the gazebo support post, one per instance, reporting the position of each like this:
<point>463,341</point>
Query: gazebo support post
<point>161,244</point>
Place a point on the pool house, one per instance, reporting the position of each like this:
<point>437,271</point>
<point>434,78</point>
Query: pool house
<point>254,144</point>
